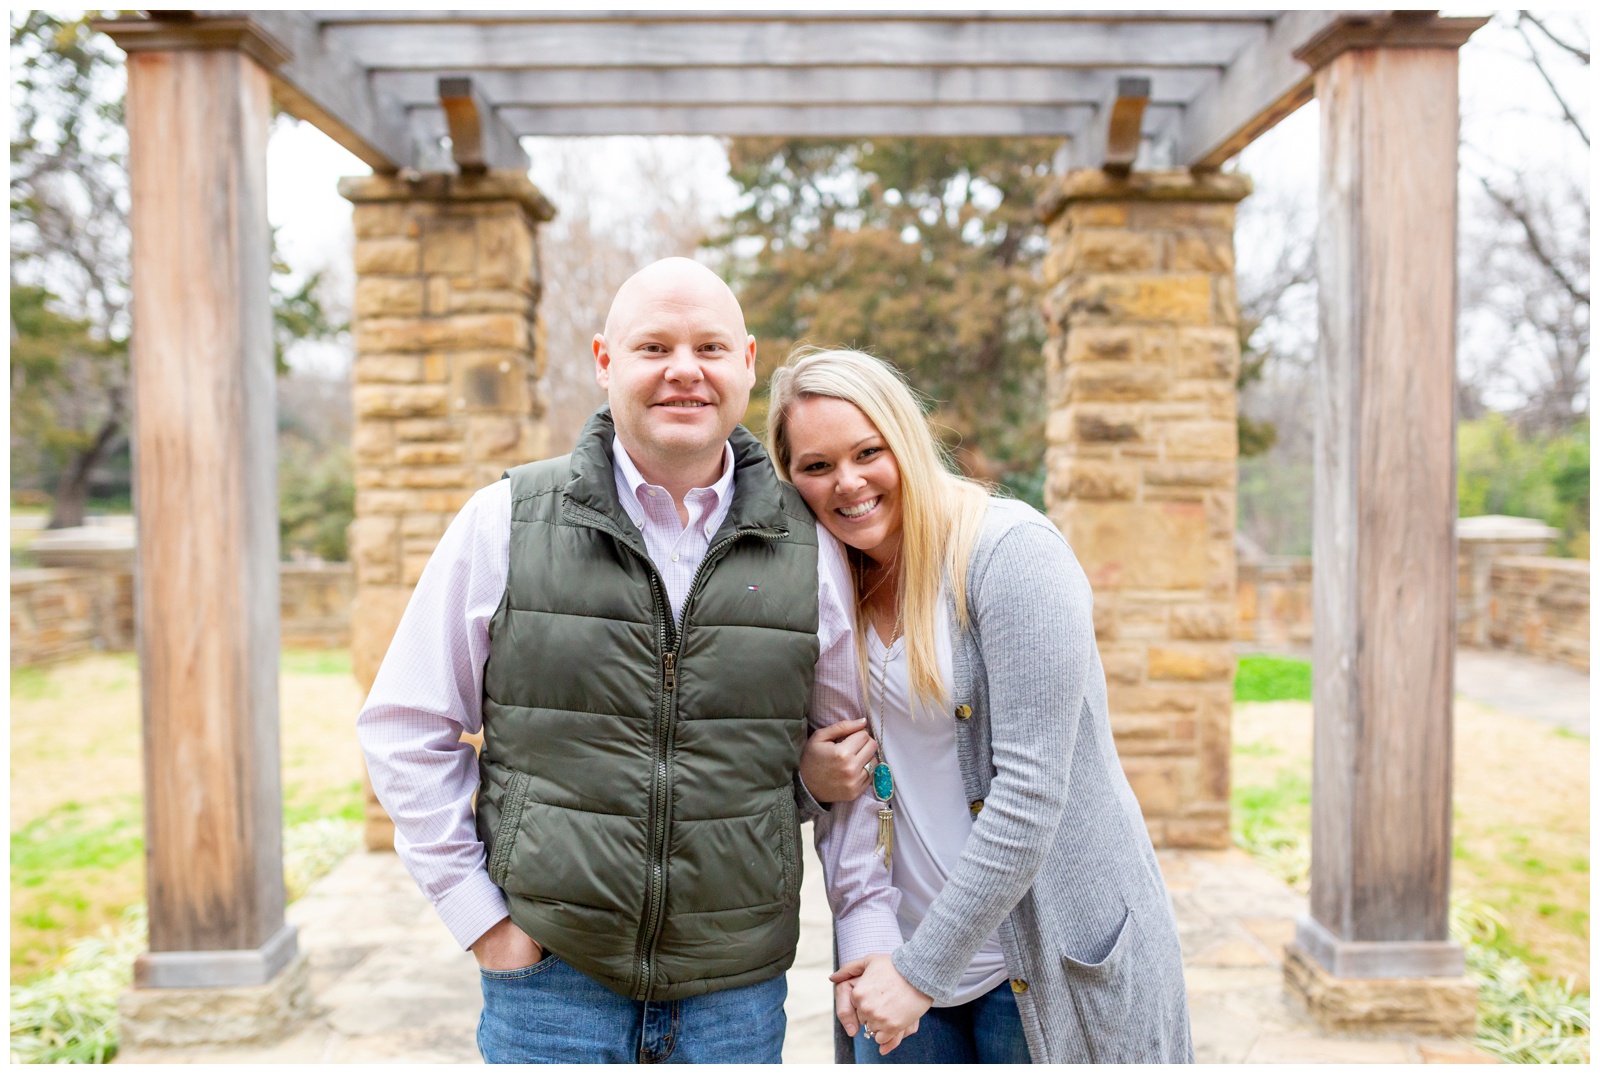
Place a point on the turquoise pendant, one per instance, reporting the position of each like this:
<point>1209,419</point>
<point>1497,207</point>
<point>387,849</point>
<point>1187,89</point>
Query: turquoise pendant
<point>882,782</point>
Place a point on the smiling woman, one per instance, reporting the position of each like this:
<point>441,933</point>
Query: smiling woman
<point>996,783</point>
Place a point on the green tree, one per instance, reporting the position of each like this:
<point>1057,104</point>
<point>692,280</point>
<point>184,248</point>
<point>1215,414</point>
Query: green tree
<point>68,388</point>
<point>1501,470</point>
<point>921,251</point>
<point>69,258</point>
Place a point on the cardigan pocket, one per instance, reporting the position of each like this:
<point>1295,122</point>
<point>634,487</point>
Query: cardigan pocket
<point>1104,992</point>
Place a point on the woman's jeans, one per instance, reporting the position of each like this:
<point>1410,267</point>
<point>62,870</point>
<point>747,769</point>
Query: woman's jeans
<point>551,1013</point>
<point>985,1030</point>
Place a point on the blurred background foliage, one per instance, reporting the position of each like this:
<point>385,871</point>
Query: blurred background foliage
<point>923,252</point>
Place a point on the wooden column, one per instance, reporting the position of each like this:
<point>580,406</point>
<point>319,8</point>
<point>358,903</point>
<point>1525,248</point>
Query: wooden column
<point>1384,538</point>
<point>206,500</point>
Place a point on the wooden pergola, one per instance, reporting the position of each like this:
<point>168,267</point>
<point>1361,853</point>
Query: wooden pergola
<point>420,94</point>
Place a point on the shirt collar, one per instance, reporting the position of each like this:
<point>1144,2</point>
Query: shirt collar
<point>630,479</point>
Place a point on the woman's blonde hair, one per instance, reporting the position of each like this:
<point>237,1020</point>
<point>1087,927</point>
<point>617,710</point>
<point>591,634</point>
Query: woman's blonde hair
<point>941,512</point>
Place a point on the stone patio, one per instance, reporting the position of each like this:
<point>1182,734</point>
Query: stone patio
<point>391,985</point>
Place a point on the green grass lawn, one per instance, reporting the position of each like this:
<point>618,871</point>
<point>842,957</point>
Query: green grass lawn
<point>1272,678</point>
<point>77,844</point>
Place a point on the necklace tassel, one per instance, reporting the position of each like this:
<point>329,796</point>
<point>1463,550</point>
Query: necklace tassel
<point>886,836</point>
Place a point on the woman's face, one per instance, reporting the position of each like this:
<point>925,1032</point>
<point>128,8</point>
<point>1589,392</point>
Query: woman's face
<point>846,474</point>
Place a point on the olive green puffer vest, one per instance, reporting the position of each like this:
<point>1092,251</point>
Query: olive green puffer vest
<point>637,796</point>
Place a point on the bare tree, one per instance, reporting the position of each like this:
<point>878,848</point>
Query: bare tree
<point>1525,250</point>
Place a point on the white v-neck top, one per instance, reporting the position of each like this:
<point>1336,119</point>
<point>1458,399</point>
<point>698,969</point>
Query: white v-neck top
<point>931,816</point>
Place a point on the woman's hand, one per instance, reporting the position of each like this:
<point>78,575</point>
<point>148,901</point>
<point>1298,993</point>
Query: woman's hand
<point>886,1005</point>
<point>833,765</point>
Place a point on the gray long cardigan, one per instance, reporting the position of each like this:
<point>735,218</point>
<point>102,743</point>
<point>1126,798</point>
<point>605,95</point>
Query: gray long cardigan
<point>1059,860</point>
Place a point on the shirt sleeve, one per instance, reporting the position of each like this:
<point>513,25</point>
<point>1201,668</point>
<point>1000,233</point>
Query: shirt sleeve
<point>427,694</point>
<point>864,903</point>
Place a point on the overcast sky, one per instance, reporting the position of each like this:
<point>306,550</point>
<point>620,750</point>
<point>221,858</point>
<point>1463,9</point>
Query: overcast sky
<point>1507,114</point>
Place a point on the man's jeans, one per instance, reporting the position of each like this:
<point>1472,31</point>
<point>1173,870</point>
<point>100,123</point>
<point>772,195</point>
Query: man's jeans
<point>551,1013</point>
<point>986,1030</point>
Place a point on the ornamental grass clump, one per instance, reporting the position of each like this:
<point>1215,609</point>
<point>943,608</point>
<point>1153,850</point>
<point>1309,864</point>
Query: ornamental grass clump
<point>70,1014</point>
<point>1521,1018</point>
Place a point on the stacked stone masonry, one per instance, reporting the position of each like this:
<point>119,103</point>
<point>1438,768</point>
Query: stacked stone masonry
<point>1142,360</point>
<point>446,382</point>
<point>58,613</point>
<point>1539,605</point>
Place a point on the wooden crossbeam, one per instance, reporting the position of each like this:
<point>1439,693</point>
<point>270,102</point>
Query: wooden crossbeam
<point>841,121</point>
<point>1124,123</point>
<point>927,86</point>
<point>890,41</point>
<point>326,88</point>
<point>1261,86</point>
<point>479,138</point>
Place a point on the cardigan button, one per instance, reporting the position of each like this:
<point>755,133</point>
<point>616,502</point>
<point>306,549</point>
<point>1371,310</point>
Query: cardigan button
<point>1019,986</point>
<point>963,712</point>
<point>976,807</point>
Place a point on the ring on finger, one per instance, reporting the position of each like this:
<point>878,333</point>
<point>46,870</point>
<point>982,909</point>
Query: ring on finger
<point>867,1032</point>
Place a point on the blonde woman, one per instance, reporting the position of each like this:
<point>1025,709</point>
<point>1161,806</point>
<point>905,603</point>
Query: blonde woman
<point>995,894</point>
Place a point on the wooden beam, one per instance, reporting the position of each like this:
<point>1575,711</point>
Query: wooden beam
<point>1124,123</point>
<point>820,121</point>
<point>329,90</point>
<point>1261,85</point>
<point>888,41</point>
<point>206,502</point>
<point>669,87</point>
<point>502,17</point>
<point>1384,532</point>
<point>479,138</point>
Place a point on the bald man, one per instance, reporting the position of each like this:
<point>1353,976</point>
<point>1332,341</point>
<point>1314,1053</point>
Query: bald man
<point>641,630</point>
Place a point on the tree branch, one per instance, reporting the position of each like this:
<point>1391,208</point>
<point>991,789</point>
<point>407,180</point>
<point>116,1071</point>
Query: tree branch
<point>1513,209</point>
<point>1538,65</point>
<point>1581,54</point>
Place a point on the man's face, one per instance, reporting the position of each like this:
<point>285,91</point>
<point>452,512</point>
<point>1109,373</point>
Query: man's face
<point>678,367</point>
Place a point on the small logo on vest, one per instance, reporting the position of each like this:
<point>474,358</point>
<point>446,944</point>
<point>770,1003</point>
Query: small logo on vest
<point>753,588</point>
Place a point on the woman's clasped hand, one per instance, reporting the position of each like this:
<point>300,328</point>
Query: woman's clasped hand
<point>871,997</point>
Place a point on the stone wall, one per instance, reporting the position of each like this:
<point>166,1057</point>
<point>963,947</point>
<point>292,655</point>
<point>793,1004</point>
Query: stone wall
<point>61,612</point>
<point>1539,605</point>
<point>1274,601</point>
<point>1143,457</point>
<point>314,600</point>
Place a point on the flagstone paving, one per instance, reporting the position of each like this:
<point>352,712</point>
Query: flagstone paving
<point>391,985</point>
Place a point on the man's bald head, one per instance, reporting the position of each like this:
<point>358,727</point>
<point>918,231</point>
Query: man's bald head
<point>677,365</point>
<point>676,280</point>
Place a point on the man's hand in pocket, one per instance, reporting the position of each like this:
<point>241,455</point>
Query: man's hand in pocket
<point>506,947</point>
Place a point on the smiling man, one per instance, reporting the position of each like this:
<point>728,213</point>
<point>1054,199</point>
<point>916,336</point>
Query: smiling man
<point>640,629</point>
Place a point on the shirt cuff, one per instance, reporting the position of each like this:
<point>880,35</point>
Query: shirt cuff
<point>472,908</point>
<point>867,930</point>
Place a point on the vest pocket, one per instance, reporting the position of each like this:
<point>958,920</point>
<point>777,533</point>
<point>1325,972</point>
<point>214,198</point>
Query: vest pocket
<point>505,833</point>
<point>789,847</point>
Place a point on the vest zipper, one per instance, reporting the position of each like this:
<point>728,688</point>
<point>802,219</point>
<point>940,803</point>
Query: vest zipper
<point>660,794</point>
<point>655,889</point>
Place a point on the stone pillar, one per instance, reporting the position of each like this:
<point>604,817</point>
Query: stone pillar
<point>1143,455</point>
<point>1479,542</point>
<point>449,353</point>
